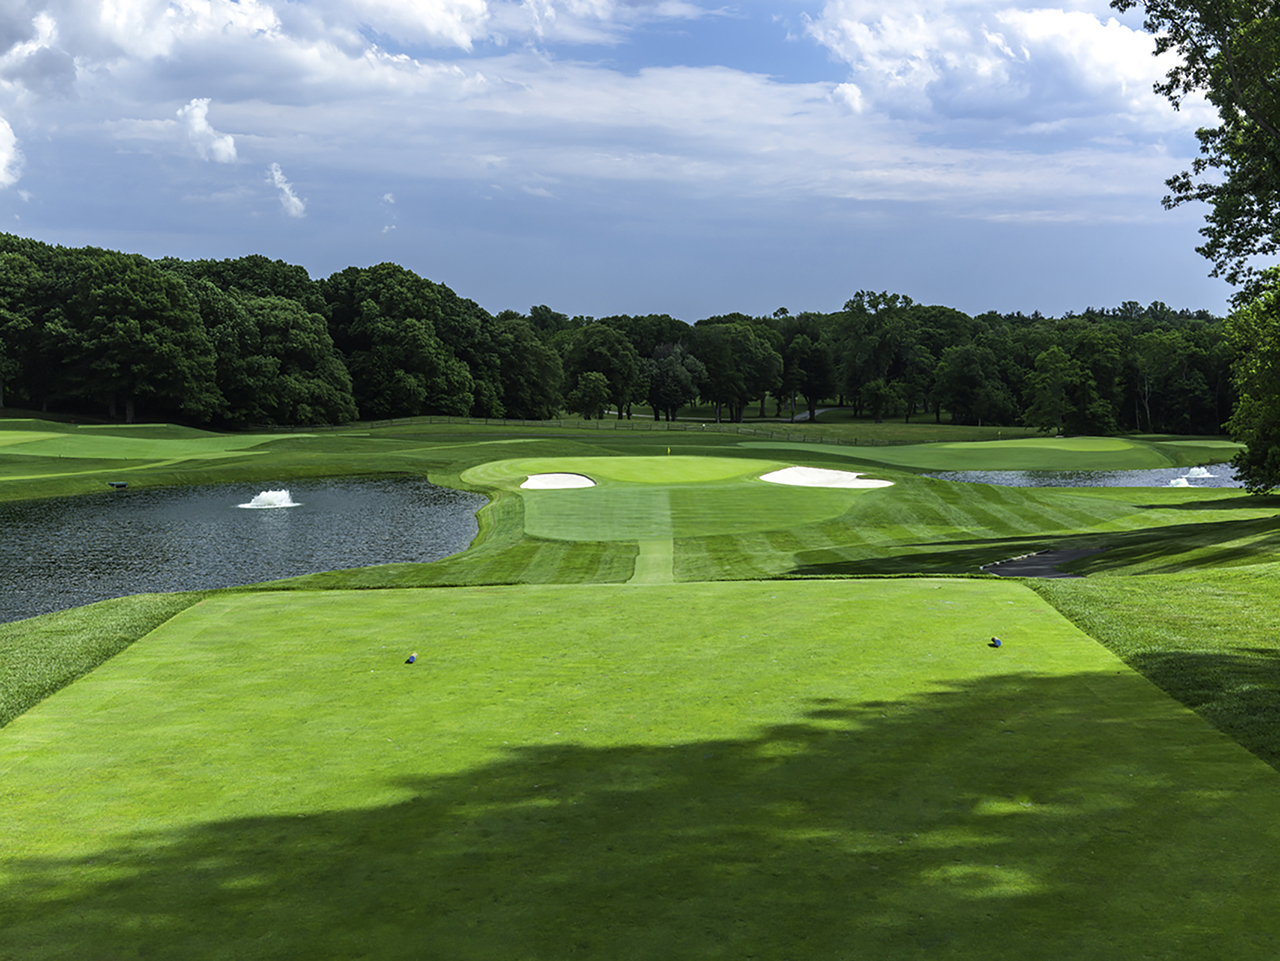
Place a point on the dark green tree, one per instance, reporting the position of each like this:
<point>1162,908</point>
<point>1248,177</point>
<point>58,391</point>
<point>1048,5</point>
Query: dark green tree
<point>1255,332</point>
<point>383,320</point>
<point>1051,386</point>
<point>138,338</point>
<point>1228,50</point>
<point>606,351</point>
<point>590,394</point>
<point>674,377</point>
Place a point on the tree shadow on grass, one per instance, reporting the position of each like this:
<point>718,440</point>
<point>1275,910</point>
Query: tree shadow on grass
<point>1165,549</point>
<point>1016,816</point>
<point>1238,693</point>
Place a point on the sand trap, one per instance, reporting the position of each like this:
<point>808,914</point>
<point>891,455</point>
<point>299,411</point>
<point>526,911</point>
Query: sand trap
<point>549,482</point>
<point>820,477</point>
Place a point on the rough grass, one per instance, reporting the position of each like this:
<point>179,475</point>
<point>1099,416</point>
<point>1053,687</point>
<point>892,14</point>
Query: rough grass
<point>41,655</point>
<point>1211,639</point>
<point>782,771</point>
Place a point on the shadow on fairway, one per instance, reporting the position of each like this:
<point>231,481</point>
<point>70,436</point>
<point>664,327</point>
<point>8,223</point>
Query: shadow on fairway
<point>1150,550</point>
<point>1235,501</point>
<point>1238,693</point>
<point>1017,816</point>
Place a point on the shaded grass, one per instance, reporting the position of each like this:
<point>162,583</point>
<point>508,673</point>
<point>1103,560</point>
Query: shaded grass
<point>782,771</point>
<point>1211,639</point>
<point>44,654</point>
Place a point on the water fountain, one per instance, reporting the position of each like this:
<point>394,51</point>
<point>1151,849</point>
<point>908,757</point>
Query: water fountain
<point>271,499</point>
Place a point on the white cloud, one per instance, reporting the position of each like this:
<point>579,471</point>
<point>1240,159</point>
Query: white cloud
<point>34,61</point>
<point>454,22</point>
<point>1026,67</point>
<point>10,157</point>
<point>293,205</point>
<point>207,141</point>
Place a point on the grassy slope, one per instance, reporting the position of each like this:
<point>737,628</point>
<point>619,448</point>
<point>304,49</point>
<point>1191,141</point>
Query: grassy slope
<point>917,526</point>
<point>812,799</point>
<point>782,771</point>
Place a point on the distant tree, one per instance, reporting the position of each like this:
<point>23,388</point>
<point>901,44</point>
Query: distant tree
<point>968,384</point>
<point>674,378</point>
<point>384,320</point>
<point>1255,332</point>
<point>606,351</point>
<point>815,371</point>
<point>1051,386</point>
<point>309,384</point>
<point>137,337</point>
<point>530,372</point>
<point>880,398</point>
<point>590,395</point>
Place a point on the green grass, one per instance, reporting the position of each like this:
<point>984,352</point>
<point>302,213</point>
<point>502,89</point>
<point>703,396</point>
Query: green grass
<point>782,771</point>
<point>1209,638</point>
<point>680,714</point>
<point>41,655</point>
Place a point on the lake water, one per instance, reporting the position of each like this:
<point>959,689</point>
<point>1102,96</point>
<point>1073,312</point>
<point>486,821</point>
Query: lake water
<point>1215,475</point>
<point>68,551</point>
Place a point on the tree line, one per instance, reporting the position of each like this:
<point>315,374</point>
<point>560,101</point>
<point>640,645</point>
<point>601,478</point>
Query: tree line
<point>252,341</point>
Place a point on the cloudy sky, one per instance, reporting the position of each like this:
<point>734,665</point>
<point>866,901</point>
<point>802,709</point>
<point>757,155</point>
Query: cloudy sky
<point>605,156</point>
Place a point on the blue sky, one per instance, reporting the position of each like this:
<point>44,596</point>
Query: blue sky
<point>606,156</point>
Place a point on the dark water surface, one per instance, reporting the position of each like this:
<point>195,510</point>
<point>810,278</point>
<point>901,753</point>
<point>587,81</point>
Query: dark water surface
<point>68,551</point>
<point>1215,475</point>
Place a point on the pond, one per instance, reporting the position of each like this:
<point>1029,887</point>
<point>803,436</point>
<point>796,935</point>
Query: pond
<point>1215,475</point>
<point>68,551</point>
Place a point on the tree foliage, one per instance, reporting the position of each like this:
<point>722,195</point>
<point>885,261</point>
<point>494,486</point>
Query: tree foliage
<point>1255,330</point>
<point>1228,50</point>
<point>238,343</point>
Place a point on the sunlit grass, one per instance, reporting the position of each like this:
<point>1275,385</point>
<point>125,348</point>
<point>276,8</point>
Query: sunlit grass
<point>773,770</point>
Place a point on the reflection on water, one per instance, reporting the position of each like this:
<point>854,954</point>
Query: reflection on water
<point>69,551</point>
<point>1216,475</point>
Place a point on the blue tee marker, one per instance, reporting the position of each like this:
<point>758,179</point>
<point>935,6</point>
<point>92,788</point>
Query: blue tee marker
<point>411,658</point>
<point>995,642</point>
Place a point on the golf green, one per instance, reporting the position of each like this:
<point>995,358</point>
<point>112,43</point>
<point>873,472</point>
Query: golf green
<point>647,498</point>
<point>812,769</point>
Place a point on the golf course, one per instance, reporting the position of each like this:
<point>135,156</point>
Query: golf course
<point>707,693</point>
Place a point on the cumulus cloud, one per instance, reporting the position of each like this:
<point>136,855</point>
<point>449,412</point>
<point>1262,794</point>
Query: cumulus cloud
<point>447,22</point>
<point>10,156</point>
<point>1025,66</point>
<point>293,205</point>
<point>34,59</point>
<point>209,143</point>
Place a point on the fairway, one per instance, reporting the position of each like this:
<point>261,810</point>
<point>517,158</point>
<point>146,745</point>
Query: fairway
<point>1032,453</point>
<point>779,771</point>
<point>648,719</point>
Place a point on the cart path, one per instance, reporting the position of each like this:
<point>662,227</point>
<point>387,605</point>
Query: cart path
<point>1040,564</point>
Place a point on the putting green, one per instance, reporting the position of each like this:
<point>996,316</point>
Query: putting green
<point>678,469</point>
<point>778,770</point>
<point>648,498</point>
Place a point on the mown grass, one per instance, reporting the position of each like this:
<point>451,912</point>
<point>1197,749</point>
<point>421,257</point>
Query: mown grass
<point>44,654</point>
<point>781,771</point>
<point>778,769</point>
<point>1209,638</point>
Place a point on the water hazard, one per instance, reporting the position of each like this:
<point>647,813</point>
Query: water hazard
<point>64,552</point>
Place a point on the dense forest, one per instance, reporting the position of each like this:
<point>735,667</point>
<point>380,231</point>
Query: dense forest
<point>251,341</point>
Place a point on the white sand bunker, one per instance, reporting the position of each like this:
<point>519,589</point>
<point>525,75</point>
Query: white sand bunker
<point>550,482</point>
<point>821,477</point>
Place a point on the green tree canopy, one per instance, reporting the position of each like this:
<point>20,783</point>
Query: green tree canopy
<point>1229,50</point>
<point>1255,332</point>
